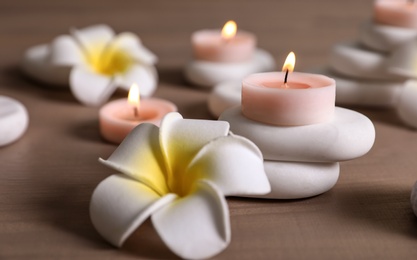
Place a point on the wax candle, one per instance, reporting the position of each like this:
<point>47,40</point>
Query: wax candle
<point>278,98</point>
<point>119,117</point>
<point>14,120</point>
<point>401,13</point>
<point>228,45</point>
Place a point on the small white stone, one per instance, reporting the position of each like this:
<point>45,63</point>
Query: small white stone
<point>403,61</point>
<point>223,96</point>
<point>350,60</point>
<point>349,135</point>
<point>208,74</point>
<point>14,120</point>
<point>384,37</point>
<point>413,199</point>
<point>35,63</point>
<point>372,93</point>
<point>297,180</point>
<point>407,105</point>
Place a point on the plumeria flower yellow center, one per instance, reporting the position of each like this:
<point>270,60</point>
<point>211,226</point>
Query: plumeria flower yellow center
<point>178,175</point>
<point>101,62</point>
<point>109,61</point>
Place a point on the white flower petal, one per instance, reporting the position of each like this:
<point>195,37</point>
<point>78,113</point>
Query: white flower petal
<point>65,51</point>
<point>132,44</point>
<point>196,226</point>
<point>234,164</point>
<point>181,139</point>
<point>93,38</point>
<point>140,156</point>
<point>119,205</point>
<point>145,77</point>
<point>90,88</point>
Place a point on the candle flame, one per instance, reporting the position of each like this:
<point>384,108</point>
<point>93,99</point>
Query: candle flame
<point>134,96</point>
<point>289,63</point>
<point>229,30</point>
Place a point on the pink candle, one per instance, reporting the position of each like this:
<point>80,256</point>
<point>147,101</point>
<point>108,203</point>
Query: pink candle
<point>401,13</point>
<point>119,117</point>
<point>223,46</point>
<point>302,100</point>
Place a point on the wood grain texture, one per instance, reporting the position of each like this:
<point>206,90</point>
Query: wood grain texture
<point>47,177</point>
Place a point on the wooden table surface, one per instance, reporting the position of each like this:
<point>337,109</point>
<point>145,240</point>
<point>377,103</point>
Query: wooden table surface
<point>47,177</point>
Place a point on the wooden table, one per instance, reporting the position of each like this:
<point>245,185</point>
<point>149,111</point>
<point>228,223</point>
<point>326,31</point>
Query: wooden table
<point>47,177</point>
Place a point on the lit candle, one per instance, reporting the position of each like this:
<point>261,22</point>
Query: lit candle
<point>14,120</point>
<point>401,13</point>
<point>293,120</point>
<point>288,98</point>
<point>228,45</point>
<point>119,117</point>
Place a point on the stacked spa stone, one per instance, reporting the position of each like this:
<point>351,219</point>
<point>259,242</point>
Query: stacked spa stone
<point>303,160</point>
<point>380,67</point>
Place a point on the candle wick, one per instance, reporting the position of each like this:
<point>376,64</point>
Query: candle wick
<point>286,77</point>
<point>226,40</point>
<point>135,112</point>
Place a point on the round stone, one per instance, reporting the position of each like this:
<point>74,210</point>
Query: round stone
<point>35,63</point>
<point>297,180</point>
<point>223,96</point>
<point>347,136</point>
<point>407,105</point>
<point>402,61</point>
<point>349,59</point>
<point>208,74</point>
<point>384,37</point>
<point>14,120</point>
<point>371,93</point>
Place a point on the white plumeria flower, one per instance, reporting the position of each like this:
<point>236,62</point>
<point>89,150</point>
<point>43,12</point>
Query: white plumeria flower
<point>178,175</point>
<point>102,61</point>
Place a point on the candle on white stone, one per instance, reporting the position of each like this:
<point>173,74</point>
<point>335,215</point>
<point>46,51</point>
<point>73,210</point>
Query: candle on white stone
<point>301,160</point>
<point>224,57</point>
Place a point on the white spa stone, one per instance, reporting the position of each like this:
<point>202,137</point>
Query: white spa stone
<point>407,105</point>
<point>297,180</point>
<point>403,61</point>
<point>14,120</point>
<point>384,37</point>
<point>372,93</point>
<point>223,96</point>
<point>349,135</point>
<point>208,74</point>
<point>35,63</point>
<point>413,198</point>
<point>350,60</point>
